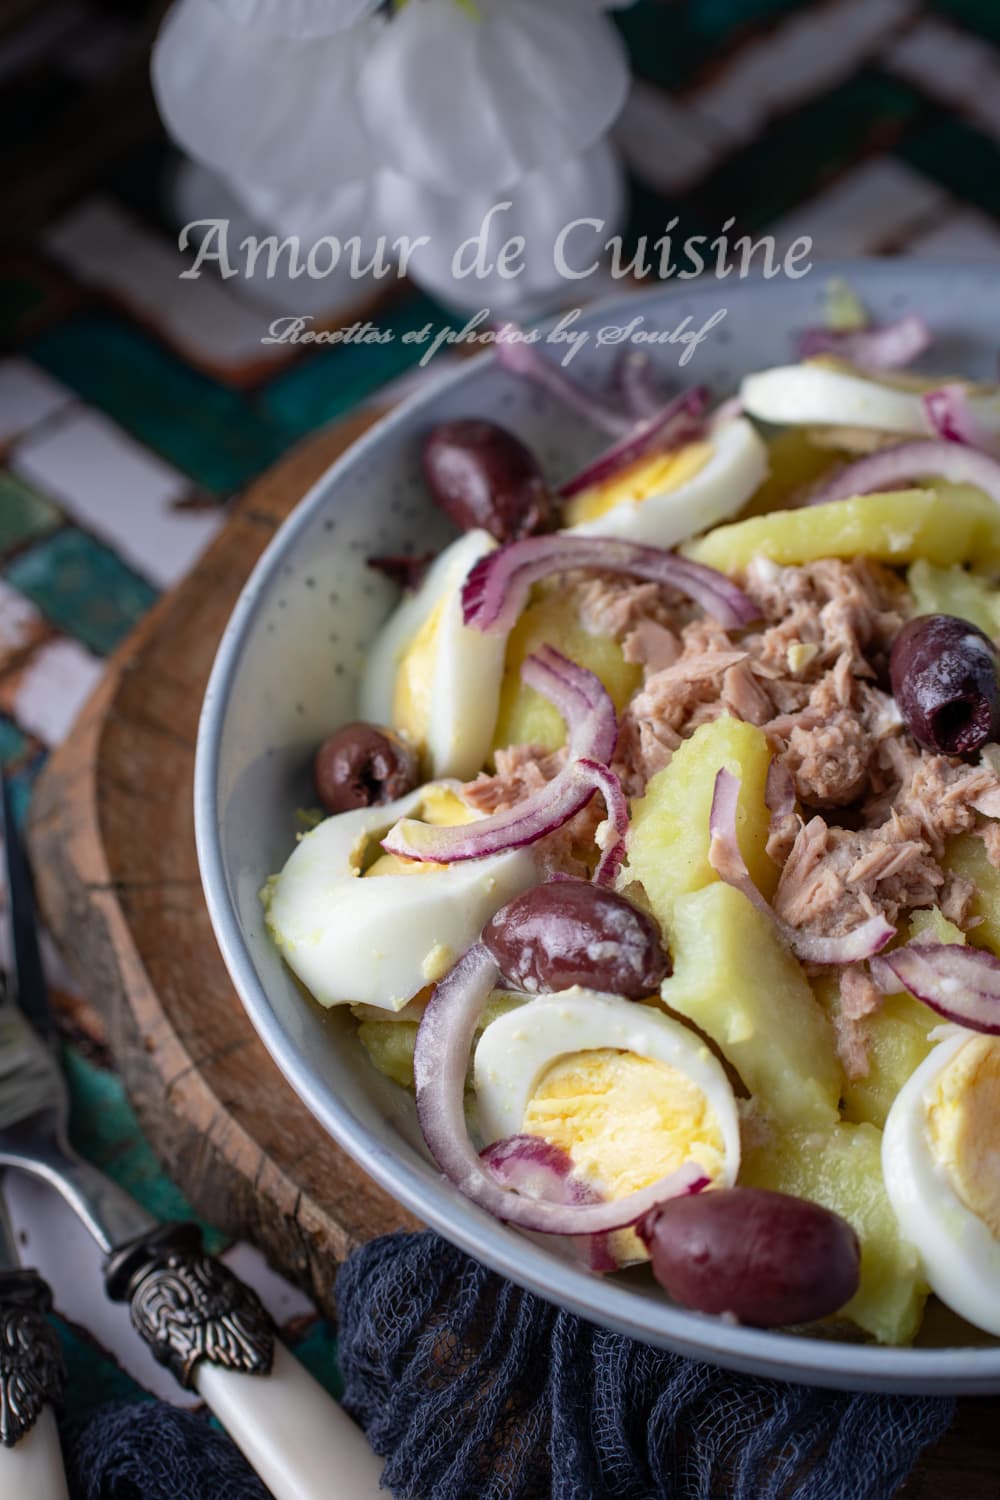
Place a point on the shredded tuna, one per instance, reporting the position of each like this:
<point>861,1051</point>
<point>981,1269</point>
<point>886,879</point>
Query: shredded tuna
<point>990,835</point>
<point>859,998</point>
<point>520,770</point>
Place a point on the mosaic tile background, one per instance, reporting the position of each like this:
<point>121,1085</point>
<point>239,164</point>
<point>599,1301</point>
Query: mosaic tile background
<point>134,407</point>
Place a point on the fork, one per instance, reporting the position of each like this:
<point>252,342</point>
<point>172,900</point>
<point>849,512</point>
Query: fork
<point>200,1321</point>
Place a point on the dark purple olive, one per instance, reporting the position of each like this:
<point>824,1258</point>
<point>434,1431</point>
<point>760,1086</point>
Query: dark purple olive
<point>570,932</point>
<point>766,1258</point>
<point>944,679</point>
<point>362,765</point>
<point>482,475</point>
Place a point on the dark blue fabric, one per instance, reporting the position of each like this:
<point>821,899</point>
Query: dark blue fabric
<point>475,1390</point>
<point>147,1450</point>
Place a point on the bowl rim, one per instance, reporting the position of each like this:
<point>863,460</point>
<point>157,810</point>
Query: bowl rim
<point>968,1369</point>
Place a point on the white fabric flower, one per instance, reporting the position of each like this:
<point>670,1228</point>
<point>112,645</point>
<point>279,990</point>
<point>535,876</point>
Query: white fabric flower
<point>472,99</point>
<point>266,109</point>
<point>201,197</point>
<point>300,18</point>
<point>542,204</point>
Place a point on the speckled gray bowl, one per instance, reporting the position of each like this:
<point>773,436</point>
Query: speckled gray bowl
<point>286,672</point>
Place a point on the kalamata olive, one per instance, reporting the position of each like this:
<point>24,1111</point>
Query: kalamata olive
<point>944,679</point>
<point>482,475</point>
<point>570,932</point>
<point>362,765</point>
<point>767,1258</point>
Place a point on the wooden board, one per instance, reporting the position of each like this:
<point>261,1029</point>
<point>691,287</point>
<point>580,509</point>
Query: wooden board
<point>112,836</point>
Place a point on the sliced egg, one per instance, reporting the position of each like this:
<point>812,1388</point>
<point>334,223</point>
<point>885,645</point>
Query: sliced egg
<point>818,394</point>
<point>358,930</point>
<point>628,1093</point>
<point>662,499</point>
<point>941,1164</point>
<point>432,678</point>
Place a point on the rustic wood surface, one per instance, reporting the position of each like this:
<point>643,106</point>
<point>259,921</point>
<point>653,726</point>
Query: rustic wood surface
<point>112,837</point>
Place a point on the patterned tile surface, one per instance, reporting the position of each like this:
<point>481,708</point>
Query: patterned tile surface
<point>133,406</point>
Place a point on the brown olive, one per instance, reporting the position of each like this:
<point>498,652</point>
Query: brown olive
<point>482,475</point>
<point>944,679</point>
<point>363,765</point>
<point>766,1258</point>
<point>569,932</point>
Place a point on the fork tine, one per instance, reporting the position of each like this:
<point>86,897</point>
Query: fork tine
<point>30,988</point>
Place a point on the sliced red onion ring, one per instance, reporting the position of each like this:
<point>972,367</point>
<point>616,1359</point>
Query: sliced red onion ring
<point>951,414</point>
<point>593,731</point>
<point>526,360</point>
<point>537,1169</point>
<point>891,468</point>
<point>440,1060</point>
<point>726,859</point>
<point>636,379</point>
<point>779,789</point>
<point>676,423</point>
<point>498,585</point>
<point>962,984</point>
<point>881,346</point>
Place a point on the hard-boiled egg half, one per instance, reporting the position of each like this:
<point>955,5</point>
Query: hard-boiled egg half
<point>663,498</point>
<point>627,1092</point>
<point>356,925</point>
<point>941,1163</point>
<point>827,393</point>
<point>436,681</point>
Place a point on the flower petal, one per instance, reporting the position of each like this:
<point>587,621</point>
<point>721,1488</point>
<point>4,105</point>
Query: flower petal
<point>258,107</point>
<point>299,18</point>
<point>542,203</point>
<point>200,197</point>
<point>471,101</point>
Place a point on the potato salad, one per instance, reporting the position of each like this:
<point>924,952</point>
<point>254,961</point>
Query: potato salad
<point>662,861</point>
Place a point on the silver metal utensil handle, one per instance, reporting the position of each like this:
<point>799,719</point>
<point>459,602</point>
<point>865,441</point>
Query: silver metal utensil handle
<point>31,1380</point>
<point>213,1333</point>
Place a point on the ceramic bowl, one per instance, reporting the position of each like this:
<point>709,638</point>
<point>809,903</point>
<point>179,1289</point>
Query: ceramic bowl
<point>286,673</point>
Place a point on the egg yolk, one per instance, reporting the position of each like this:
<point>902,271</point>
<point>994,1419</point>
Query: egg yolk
<point>639,481</point>
<point>411,702</point>
<point>962,1121</point>
<point>442,807</point>
<point>625,1120</point>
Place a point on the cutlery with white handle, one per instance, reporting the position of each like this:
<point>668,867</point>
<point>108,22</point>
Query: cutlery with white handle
<point>200,1321</point>
<point>31,1379</point>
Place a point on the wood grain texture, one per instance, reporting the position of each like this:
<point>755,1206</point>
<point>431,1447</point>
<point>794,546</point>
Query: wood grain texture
<point>112,836</point>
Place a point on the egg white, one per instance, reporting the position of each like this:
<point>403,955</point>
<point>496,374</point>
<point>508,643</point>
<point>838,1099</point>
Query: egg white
<point>960,1254</point>
<point>516,1050</point>
<point>465,670</point>
<point>737,466</point>
<point>379,940</point>
<point>814,395</point>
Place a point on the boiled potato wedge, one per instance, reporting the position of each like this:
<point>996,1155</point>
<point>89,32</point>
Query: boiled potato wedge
<point>945,525</point>
<point>668,838</point>
<point>738,983</point>
<point>841,1167</point>
<point>525,717</point>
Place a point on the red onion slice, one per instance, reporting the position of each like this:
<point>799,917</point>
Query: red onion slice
<point>881,346</point>
<point>726,859</point>
<point>497,587</point>
<point>593,731</point>
<point>962,984</point>
<point>635,378</point>
<point>676,423</point>
<point>892,468</point>
<point>526,360</point>
<point>440,1060</point>
<point>951,415</point>
<point>537,1169</point>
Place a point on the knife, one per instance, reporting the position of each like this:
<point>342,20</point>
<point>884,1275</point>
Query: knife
<point>31,1378</point>
<point>200,1321</point>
